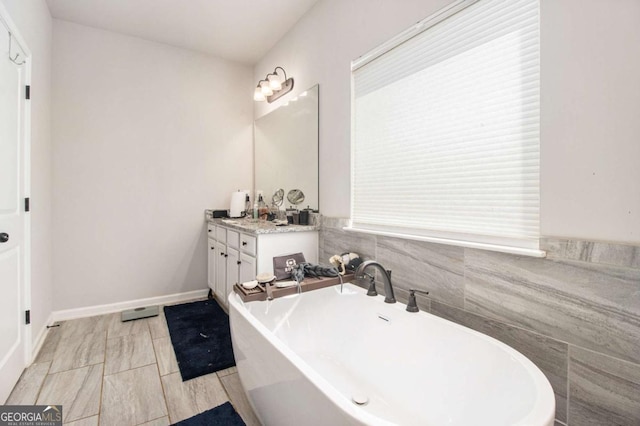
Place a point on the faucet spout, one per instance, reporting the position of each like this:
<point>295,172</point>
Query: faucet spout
<point>386,275</point>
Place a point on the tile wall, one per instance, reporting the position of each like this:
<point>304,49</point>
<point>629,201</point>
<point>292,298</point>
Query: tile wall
<point>575,314</point>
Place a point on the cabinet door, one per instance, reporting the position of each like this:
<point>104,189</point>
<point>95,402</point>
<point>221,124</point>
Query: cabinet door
<point>221,270</point>
<point>221,234</point>
<point>248,244</point>
<point>211,231</point>
<point>233,270</point>
<point>247,268</point>
<point>211,264</point>
<point>232,238</point>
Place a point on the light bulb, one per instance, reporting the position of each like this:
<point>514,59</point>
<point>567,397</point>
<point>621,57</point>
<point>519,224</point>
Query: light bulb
<point>258,95</point>
<point>266,90</point>
<point>274,81</point>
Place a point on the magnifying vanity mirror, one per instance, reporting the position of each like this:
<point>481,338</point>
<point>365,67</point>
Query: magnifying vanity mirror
<point>286,151</point>
<point>278,198</point>
<point>295,197</point>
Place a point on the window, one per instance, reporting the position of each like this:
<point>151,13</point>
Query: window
<point>445,129</point>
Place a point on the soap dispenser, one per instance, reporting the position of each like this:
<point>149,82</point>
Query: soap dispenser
<point>263,210</point>
<point>255,209</point>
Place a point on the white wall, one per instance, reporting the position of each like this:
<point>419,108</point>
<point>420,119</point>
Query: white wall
<point>35,25</point>
<point>146,136</point>
<point>319,50</point>
<point>590,103</point>
<point>590,170</point>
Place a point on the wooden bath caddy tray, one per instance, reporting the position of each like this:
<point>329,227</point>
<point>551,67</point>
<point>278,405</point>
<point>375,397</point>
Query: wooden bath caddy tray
<point>260,293</point>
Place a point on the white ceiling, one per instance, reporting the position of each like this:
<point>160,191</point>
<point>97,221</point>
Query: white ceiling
<point>237,30</point>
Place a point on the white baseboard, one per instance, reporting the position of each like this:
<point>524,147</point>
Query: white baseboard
<point>90,311</point>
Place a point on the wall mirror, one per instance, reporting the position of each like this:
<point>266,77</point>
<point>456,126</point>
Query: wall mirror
<point>286,150</point>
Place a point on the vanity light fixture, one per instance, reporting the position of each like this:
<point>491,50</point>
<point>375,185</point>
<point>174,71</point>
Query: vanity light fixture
<point>273,86</point>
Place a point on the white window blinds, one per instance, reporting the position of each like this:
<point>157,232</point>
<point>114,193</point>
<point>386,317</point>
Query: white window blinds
<point>445,123</point>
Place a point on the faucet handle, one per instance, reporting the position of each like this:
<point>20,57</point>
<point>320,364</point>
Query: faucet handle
<point>371,291</point>
<point>412,305</point>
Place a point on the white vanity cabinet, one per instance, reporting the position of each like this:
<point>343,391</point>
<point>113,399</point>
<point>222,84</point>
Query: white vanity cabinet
<point>237,254</point>
<point>217,260</point>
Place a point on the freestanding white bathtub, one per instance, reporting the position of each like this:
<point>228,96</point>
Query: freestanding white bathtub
<point>303,360</point>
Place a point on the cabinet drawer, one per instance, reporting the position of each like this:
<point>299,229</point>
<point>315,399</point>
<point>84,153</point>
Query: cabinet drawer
<point>221,234</point>
<point>248,244</point>
<point>211,230</point>
<point>232,238</point>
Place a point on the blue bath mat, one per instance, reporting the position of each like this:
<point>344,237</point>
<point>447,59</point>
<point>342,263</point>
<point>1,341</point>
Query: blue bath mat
<point>201,337</point>
<point>222,415</point>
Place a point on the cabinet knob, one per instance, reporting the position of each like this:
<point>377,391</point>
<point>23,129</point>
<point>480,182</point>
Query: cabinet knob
<point>221,254</point>
<point>226,255</point>
<point>244,243</point>
<point>238,262</point>
<point>213,248</point>
<point>4,237</point>
<point>208,230</point>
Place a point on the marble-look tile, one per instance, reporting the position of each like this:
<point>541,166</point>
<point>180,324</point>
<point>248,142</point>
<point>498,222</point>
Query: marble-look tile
<point>436,268</point>
<point>334,222</point>
<point>117,328</point>
<point>78,391</point>
<point>127,352</point>
<point>48,348</point>
<point>595,252</point>
<point>166,356</point>
<point>549,355</point>
<point>132,397</point>
<point>158,325</point>
<point>83,326</point>
<point>239,399</point>
<point>603,390</point>
<point>79,351</point>
<point>592,306</point>
<point>337,241</point>
<point>186,399</point>
<point>162,421</point>
<point>87,421</point>
<point>25,392</point>
<point>227,371</point>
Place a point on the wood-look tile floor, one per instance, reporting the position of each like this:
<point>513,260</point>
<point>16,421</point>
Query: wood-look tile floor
<point>106,372</point>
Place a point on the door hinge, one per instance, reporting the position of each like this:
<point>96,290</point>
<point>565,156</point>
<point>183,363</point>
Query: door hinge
<point>27,316</point>
<point>26,204</point>
<point>27,92</point>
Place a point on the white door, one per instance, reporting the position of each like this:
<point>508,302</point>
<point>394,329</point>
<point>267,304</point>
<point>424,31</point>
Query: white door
<point>13,250</point>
